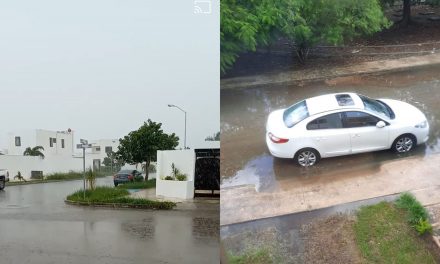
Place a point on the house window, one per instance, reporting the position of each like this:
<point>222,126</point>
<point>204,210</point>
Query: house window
<point>108,149</point>
<point>50,142</point>
<point>98,149</point>
<point>62,143</point>
<point>17,141</point>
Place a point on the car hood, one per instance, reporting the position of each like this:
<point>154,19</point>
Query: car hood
<point>405,112</point>
<point>275,124</point>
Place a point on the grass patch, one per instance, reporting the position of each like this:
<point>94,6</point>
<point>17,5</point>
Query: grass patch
<point>138,185</point>
<point>383,236</point>
<point>72,175</point>
<point>416,215</point>
<point>111,195</point>
<point>260,256</point>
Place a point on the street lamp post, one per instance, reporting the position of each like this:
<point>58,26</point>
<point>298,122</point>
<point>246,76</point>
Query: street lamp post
<point>184,139</point>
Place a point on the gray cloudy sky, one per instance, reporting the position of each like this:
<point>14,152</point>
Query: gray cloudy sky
<point>103,67</point>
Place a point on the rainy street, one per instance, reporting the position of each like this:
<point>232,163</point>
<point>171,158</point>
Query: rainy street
<point>250,175</point>
<point>36,226</point>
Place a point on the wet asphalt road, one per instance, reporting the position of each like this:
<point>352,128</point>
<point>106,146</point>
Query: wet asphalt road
<point>246,160</point>
<point>37,227</point>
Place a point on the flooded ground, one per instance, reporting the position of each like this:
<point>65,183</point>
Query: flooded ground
<point>246,160</point>
<point>37,227</point>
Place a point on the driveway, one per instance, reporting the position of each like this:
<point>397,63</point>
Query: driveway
<point>37,227</point>
<point>257,185</point>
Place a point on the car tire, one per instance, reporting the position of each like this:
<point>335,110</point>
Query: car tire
<point>2,184</point>
<point>307,157</point>
<point>404,143</point>
<point>116,184</point>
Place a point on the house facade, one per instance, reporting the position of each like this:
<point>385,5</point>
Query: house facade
<point>60,152</point>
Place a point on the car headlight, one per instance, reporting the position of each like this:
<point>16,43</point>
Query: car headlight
<point>423,124</point>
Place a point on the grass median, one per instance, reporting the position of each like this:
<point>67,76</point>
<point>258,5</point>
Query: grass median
<point>116,196</point>
<point>384,235</point>
<point>56,177</point>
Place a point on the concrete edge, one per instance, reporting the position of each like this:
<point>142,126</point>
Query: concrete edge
<point>246,81</point>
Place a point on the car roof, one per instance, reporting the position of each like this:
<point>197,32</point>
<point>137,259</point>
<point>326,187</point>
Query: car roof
<point>334,101</point>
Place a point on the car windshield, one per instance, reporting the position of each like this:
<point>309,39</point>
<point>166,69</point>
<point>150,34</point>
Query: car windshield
<point>377,107</point>
<point>296,113</point>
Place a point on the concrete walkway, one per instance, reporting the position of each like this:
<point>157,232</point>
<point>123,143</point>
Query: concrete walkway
<point>298,76</point>
<point>182,204</point>
<point>244,203</point>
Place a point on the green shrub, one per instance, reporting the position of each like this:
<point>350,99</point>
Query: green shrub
<point>71,175</point>
<point>168,178</point>
<point>415,210</point>
<point>423,226</point>
<point>138,185</point>
<point>181,177</point>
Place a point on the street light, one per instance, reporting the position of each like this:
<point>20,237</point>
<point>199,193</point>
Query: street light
<point>184,140</point>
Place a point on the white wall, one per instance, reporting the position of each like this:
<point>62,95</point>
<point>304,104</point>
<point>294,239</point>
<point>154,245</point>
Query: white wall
<point>184,160</point>
<point>27,138</point>
<point>102,143</point>
<point>50,164</point>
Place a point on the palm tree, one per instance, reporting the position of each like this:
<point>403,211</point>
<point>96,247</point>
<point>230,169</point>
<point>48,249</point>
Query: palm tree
<point>35,151</point>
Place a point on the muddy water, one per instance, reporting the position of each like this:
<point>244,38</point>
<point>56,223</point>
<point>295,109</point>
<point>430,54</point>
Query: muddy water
<point>246,160</point>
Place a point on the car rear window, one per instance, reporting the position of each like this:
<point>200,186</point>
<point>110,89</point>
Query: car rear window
<point>295,114</point>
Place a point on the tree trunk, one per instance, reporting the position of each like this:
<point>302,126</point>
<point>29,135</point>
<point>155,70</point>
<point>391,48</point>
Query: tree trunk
<point>406,18</point>
<point>302,53</point>
<point>147,166</point>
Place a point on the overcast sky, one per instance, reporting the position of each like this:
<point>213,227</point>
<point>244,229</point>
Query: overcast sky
<point>103,67</point>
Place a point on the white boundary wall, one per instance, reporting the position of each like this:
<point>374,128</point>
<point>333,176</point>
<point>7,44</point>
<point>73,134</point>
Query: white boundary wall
<point>184,160</point>
<point>48,165</point>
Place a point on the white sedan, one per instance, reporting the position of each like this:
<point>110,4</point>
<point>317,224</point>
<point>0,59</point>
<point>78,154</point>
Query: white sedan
<point>341,124</point>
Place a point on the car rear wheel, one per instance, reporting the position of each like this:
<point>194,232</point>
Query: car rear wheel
<point>116,184</point>
<point>404,143</point>
<point>307,157</point>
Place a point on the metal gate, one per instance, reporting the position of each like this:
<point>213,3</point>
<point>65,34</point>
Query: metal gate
<point>207,172</point>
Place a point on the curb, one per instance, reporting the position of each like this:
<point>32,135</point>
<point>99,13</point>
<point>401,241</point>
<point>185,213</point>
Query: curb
<point>113,205</point>
<point>291,77</point>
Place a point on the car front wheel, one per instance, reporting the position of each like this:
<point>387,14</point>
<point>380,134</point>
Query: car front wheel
<point>404,143</point>
<point>307,157</point>
<point>2,184</point>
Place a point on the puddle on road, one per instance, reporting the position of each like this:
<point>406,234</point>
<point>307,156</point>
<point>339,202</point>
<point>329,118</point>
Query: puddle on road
<point>144,229</point>
<point>245,159</point>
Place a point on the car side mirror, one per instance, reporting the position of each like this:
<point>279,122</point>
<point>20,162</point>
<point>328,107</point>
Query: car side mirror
<point>380,124</point>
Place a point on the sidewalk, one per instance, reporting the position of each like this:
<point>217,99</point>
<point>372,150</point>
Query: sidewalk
<point>182,204</point>
<point>370,67</point>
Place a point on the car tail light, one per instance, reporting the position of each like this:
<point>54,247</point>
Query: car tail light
<point>130,177</point>
<point>277,139</point>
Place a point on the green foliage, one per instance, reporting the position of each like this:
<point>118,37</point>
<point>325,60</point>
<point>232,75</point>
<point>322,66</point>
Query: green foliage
<point>35,151</point>
<point>415,211</point>
<point>244,25</point>
<point>138,185</point>
<point>215,137</point>
<point>176,175</point>
<point>109,195</point>
<point>71,175</point>
<point>260,256</point>
<point>383,236</point>
<point>90,179</point>
<point>142,145</point>
<point>423,226</point>
<point>181,177</point>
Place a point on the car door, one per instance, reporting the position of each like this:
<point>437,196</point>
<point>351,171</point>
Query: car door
<point>329,135</point>
<point>364,134</point>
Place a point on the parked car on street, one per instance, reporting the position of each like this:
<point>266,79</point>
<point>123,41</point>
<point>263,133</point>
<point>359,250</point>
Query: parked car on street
<point>124,176</point>
<point>341,124</point>
<point>4,177</point>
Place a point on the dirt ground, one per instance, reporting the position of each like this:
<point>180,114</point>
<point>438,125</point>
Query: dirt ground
<point>330,240</point>
<point>422,37</point>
